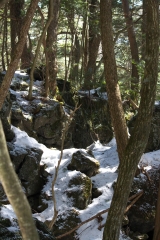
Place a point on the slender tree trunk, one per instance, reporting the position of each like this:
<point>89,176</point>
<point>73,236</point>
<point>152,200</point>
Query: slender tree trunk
<point>114,97</point>
<point>133,47</point>
<point>18,51</point>
<point>138,140</point>
<point>50,17</point>
<point>15,193</point>
<point>51,47</point>
<point>144,31</point>
<point>94,42</point>
<point>4,37</point>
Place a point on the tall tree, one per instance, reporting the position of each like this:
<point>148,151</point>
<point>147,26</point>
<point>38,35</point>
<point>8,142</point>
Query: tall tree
<point>15,193</point>
<point>133,47</point>
<point>93,44</point>
<point>133,150</point>
<point>114,96</point>
<point>18,51</point>
<point>51,50</point>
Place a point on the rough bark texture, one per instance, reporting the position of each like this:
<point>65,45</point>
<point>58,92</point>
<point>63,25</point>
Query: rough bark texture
<point>18,51</point>
<point>139,137</point>
<point>15,193</point>
<point>114,97</point>
<point>51,48</point>
<point>157,221</point>
<point>133,45</point>
<point>94,42</point>
<point>16,18</point>
<point>50,16</point>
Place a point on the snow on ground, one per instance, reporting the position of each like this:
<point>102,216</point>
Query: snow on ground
<point>108,158</point>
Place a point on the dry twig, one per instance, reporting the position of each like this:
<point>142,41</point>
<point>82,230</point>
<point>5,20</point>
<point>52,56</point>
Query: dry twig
<point>138,195</point>
<point>57,167</point>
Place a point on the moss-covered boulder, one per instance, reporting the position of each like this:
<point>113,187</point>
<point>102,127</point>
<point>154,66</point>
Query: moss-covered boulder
<point>85,163</point>
<point>154,136</point>
<point>142,214</point>
<point>66,221</point>
<point>80,190</point>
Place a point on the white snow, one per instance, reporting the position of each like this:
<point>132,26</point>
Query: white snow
<point>108,159</point>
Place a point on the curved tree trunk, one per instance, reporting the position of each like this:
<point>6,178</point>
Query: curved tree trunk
<point>114,97</point>
<point>18,51</point>
<point>138,140</point>
<point>15,193</point>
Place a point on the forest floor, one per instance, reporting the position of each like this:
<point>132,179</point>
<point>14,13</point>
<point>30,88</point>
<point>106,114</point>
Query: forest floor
<point>108,159</point>
<point>104,180</point>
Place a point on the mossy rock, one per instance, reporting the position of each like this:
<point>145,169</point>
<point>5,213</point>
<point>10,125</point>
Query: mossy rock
<point>85,163</point>
<point>80,190</point>
<point>66,221</point>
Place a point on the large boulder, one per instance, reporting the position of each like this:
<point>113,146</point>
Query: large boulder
<point>26,162</point>
<point>80,190</point>
<point>93,121</point>
<point>85,163</point>
<point>154,136</point>
<point>66,221</point>
<point>142,214</point>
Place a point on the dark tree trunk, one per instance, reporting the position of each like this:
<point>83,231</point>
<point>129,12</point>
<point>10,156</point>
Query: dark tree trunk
<point>16,18</point>
<point>144,30</point>
<point>94,42</point>
<point>51,48</point>
<point>138,140</point>
<point>115,102</point>
<point>133,47</point>
<point>18,51</point>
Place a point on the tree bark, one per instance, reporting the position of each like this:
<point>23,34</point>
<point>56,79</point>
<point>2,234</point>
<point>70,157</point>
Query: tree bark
<point>15,193</point>
<point>93,45</point>
<point>50,17</point>
<point>18,51</point>
<point>114,97</point>
<point>138,140</point>
<point>51,48</point>
<point>133,47</point>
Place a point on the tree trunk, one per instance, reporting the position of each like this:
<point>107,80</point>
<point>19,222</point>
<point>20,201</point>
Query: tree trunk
<point>50,17</point>
<point>94,42</point>
<point>51,48</point>
<point>114,97</point>
<point>18,51</point>
<point>133,47</point>
<point>15,193</point>
<point>157,220</point>
<point>16,19</point>
<point>138,140</point>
